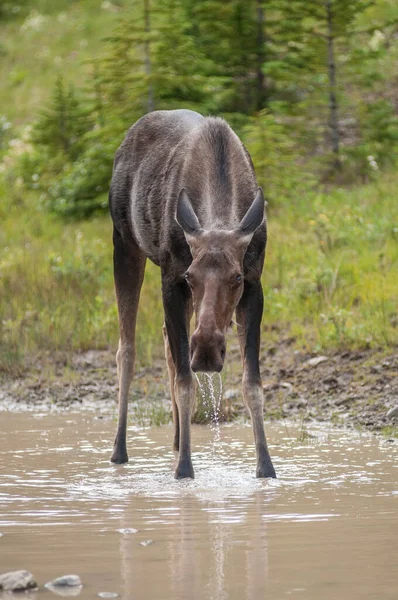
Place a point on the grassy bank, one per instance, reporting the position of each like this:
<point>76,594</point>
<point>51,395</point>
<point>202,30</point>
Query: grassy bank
<point>330,279</point>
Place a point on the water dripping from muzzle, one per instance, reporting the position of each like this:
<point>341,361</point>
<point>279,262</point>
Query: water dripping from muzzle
<point>210,387</point>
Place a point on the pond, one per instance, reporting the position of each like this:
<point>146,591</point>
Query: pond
<point>326,528</point>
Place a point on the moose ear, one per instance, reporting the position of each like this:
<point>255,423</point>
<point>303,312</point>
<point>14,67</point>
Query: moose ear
<point>185,215</point>
<point>254,216</point>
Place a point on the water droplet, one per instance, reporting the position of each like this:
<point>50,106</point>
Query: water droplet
<point>210,385</point>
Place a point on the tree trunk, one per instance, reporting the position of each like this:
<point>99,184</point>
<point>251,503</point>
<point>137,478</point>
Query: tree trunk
<point>333,106</point>
<point>261,100</point>
<point>148,66</point>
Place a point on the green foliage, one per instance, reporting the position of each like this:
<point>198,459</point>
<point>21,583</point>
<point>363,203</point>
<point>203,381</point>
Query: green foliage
<point>83,189</point>
<point>11,10</point>
<point>274,153</point>
<point>60,127</point>
<point>231,58</point>
<point>380,130</point>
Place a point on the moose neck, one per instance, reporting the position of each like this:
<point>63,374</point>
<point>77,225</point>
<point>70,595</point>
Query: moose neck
<point>221,191</point>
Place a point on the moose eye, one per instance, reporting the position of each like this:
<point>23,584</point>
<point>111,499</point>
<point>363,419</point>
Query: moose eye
<point>239,278</point>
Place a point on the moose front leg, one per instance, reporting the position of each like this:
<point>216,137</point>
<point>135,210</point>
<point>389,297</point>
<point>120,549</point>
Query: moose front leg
<point>248,316</point>
<point>176,301</point>
<point>129,267</point>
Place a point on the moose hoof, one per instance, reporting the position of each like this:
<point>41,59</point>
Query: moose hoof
<point>184,470</point>
<point>265,471</point>
<point>119,457</point>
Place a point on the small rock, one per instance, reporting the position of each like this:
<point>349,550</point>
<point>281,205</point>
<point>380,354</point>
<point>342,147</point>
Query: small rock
<point>393,412</point>
<point>288,386</point>
<point>301,403</point>
<point>146,543</point>
<point>17,581</point>
<point>343,401</point>
<point>317,360</point>
<point>1,534</point>
<point>65,581</point>
<point>127,530</point>
<point>108,595</point>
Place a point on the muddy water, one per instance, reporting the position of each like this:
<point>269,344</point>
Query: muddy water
<point>328,528</point>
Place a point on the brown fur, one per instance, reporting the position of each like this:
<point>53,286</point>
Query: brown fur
<point>184,194</point>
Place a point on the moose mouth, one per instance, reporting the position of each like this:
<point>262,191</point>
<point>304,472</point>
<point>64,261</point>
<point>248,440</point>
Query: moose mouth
<point>205,360</point>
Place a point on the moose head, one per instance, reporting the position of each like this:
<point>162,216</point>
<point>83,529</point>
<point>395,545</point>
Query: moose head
<point>215,277</point>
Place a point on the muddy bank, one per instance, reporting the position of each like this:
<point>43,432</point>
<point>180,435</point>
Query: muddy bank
<point>355,388</point>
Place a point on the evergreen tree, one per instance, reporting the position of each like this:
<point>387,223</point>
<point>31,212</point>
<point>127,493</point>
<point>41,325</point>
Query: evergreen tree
<point>180,70</point>
<point>327,27</point>
<point>300,60</point>
<point>61,126</point>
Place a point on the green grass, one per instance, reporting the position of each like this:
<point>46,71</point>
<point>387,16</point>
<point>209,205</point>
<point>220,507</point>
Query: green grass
<point>331,272</point>
<point>56,286</point>
<point>51,37</point>
<point>330,277</point>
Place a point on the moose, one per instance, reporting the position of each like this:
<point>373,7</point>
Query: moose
<point>184,194</point>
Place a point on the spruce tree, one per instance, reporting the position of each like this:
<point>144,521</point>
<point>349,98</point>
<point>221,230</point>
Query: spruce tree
<point>60,126</point>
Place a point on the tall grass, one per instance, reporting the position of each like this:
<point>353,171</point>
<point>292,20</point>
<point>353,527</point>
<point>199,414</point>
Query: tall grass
<point>330,277</point>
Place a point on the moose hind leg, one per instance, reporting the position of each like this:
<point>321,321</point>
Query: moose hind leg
<point>248,316</point>
<point>129,267</point>
<point>172,374</point>
<point>176,303</point>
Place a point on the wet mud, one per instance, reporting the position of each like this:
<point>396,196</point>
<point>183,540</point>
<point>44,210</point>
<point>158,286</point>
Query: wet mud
<point>352,388</point>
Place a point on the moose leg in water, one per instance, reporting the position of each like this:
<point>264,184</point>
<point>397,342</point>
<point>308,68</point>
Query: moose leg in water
<point>248,315</point>
<point>176,302</point>
<point>129,267</point>
<point>172,374</point>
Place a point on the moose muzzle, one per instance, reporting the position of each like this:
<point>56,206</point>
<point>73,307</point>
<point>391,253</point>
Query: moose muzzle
<point>207,350</point>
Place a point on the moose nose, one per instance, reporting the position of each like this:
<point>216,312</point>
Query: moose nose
<point>207,351</point>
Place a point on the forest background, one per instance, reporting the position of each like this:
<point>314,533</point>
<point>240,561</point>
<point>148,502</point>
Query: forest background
<point>311,87</point>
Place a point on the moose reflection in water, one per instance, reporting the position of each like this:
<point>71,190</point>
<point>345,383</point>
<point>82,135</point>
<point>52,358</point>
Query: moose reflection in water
<point>201,549</point>
<point>184,195</point>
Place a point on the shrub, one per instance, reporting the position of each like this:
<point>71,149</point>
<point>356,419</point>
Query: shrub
<point>80,191</point>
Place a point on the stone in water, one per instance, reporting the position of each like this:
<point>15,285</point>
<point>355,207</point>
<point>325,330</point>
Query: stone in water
<point>65,581</point>
<point>127,530</point>
<point>17,581</point>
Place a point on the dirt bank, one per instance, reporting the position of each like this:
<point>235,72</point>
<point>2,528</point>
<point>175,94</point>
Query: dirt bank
<point>352,388</point>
